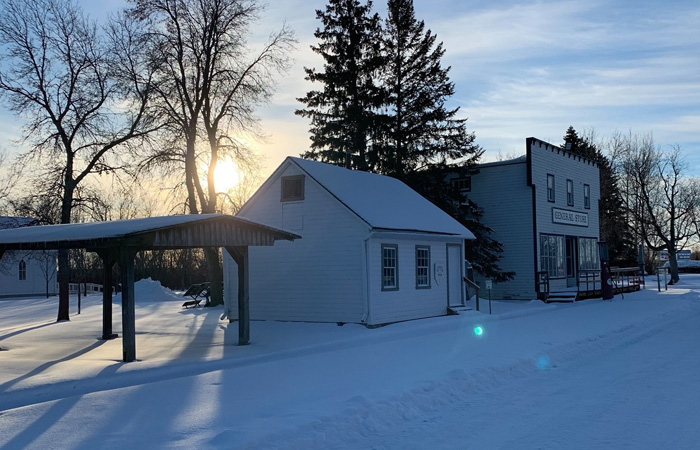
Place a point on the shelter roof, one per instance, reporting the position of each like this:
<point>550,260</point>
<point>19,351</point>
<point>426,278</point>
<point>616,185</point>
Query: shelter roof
<point>383,202</point>
<point>180,231</point>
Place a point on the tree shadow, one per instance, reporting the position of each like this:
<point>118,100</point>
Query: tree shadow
<point>37,370</point>
<point>58,410</point>
<point>24,330</point>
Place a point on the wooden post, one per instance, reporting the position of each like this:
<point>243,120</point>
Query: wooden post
<point>107,265</point>
<point>240,255</point>
<point>128,306</point>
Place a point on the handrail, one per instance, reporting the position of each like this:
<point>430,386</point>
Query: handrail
<point>476,289</point>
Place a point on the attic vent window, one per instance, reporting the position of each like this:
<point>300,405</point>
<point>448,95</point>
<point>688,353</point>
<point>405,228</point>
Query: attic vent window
<point>463,184</point>
<point>292,188</point>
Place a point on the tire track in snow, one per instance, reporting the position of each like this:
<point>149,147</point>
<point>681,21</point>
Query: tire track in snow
<point>366,419</point>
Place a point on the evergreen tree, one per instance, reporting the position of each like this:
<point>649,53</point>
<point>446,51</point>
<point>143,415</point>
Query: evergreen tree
<point>614,228</point>
<point>343,112</point>
<point>383,109</point>
<point>419,129</point>
<point>423,142</point>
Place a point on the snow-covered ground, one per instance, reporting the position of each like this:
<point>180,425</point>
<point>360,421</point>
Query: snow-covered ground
<point>621,374</point>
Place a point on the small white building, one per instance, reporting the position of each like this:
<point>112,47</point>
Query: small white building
<point>26,273</point>
<point>543,208</point>
<point>373,251</point>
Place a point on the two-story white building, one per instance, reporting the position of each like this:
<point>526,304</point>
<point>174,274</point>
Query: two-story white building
<point>372,251</point>
<point>543,208</point>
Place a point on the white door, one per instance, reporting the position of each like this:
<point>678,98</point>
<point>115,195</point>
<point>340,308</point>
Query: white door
<point>455,296</point>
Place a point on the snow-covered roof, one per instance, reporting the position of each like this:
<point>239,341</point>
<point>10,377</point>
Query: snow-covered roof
<point>7,222</point>
<point>383,202</point>
<point>113,229</point>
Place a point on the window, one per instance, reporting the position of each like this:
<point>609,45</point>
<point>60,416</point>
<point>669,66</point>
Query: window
<point>588,254</point>
<point>569,192</point>
<point>390,267</point>
<point>552,255</point>
<point>292,188</point>
<point>422,267</point>
<point>550,187</point>
<point>22,270</point>
<point>586,196</point>
<point>463,184</point>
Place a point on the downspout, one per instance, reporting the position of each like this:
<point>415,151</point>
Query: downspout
<point>366,317</point>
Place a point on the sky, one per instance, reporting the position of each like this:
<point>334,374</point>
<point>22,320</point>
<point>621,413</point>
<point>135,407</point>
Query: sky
<point>520,69</point>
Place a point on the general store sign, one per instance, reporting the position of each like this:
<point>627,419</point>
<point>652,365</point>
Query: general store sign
<point>567,217</point>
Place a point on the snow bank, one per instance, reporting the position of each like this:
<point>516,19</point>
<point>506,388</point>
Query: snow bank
<point>148,290</point>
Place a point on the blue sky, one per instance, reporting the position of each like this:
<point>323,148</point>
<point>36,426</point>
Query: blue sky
<point>524,69</point>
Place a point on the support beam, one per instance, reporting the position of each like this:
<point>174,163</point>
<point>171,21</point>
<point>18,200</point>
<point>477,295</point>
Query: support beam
<point>108,260</point>
<point>240,256</point>
<point>126,263</point>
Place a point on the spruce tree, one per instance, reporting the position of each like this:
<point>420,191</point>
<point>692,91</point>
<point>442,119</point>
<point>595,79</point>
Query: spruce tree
<point>614,228</point>
<point>419,129</point>
<point>343,112</point>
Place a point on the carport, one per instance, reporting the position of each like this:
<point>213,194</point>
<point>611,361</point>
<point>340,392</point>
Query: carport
<point>119,241</point>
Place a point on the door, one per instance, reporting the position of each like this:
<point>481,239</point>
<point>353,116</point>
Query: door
<point>571,261</point>
<point>454,275</point>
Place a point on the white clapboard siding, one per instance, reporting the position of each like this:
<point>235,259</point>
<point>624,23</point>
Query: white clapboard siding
<point>316,278</point>
<point>501,191</point>
<point>408,302</point>
<point>547,158</point>
<point>35,282</point>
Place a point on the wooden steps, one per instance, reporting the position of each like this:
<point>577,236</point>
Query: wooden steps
<point>563,295</point>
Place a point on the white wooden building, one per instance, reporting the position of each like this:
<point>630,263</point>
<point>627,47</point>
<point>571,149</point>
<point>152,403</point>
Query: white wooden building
<point>373,251</point>
<point>26,273</point>
<point>543,208</point>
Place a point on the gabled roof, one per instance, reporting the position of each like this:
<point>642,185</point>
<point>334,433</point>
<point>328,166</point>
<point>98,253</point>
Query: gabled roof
<point>384,203</point>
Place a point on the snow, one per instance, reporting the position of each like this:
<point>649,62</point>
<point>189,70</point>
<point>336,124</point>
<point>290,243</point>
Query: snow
<point>588,375</point>
<point>383,202</point>
<point>685,264</point>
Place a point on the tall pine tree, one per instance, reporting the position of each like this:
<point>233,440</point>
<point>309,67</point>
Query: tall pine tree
<point>423,141</point>
<point>383,109</point>
<point>614,228</point>
<point>420,130</point>
<point>343,112</point>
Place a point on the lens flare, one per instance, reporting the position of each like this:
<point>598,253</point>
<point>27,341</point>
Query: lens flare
<point>478,330</point>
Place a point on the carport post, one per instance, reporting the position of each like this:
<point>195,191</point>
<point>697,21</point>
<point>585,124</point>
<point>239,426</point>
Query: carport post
<point>107,265</point>
<point>240,255</point>
<point>128,311</point>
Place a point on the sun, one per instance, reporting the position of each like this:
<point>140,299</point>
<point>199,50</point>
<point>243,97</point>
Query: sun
<point>226,175</point>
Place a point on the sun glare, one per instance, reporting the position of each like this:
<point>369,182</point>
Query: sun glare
<point>226,176</point>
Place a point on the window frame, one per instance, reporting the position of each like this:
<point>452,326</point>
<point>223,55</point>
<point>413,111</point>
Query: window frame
<point>395,267</point>
<point>426,267</point>
<point>463,184</point>
<point>588,258</point>
<point>587,196</point>
<point>551,192</point>
<point>22,270</point>
<point>570,192</point>
<point>553,254</point>
<point>284,182</point>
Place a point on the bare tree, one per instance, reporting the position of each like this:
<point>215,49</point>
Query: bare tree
<point>661,200</point>
<point>84,94</point>
<point>8,178</point>
<point>210,83</point>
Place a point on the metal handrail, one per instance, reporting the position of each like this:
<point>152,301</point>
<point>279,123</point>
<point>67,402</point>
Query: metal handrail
<point>476,290</point>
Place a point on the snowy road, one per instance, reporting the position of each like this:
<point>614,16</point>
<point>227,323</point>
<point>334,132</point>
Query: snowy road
<point>638,390</point>
<point>591,375</point>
